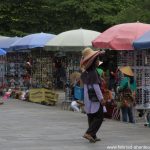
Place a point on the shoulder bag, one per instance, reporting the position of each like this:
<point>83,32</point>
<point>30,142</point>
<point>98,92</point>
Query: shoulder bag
<point>92,94</point>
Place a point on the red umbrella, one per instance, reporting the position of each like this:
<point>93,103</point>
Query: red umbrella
<point>121,37</point>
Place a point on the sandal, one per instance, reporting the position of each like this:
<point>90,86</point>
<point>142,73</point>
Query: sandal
<point>89,137</point>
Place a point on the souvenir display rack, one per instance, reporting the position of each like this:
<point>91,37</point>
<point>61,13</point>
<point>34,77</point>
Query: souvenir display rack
<point>73,63</point>
<point>45,67</point>
<point>15,69</point>
<point>41,68</point>
<point>140,63</point>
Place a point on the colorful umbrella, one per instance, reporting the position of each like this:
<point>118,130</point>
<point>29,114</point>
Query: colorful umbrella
<point>121,37</point>
<point>2,52</point>
<point>6,42</point>
<point>72,40</point>
<point>4,37</point>
<point>142,42</point>
<point>32,41</point>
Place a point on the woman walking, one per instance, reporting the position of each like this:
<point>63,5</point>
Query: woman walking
<point>93,98</point>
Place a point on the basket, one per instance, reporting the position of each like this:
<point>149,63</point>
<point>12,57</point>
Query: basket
<point>78,93</point>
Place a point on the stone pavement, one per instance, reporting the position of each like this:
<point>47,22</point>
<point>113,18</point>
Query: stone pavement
<point>29,126</point>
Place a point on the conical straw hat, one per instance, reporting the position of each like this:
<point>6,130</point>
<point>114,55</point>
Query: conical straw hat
<point>127,70</point>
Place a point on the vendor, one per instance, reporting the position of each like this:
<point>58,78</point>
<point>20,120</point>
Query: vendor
<point>127,89</point>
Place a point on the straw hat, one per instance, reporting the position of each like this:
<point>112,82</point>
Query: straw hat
<point>75,76</point>
<point>127,70</point>
<point>88,56</point>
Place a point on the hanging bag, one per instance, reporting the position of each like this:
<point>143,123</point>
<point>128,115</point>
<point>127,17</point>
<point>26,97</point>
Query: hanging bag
<point>127,98</point>
<point>92,94</point>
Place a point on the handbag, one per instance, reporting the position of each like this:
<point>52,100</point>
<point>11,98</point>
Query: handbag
<point>127,97</point>
<point>92,95</point>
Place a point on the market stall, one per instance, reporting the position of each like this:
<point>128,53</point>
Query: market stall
<point>140,63</point>
<point>15,74</point>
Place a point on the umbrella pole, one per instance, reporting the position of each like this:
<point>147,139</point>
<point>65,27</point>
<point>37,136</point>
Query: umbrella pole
<point>41,67</point>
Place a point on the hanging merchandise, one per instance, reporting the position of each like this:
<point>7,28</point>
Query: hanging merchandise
<point>140,63</point>
<point>15,69</point>
<point>42,69</point>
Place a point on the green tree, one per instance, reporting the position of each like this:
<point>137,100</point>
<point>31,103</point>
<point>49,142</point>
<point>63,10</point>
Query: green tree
<point>20,17</point>
<point>137,11</point>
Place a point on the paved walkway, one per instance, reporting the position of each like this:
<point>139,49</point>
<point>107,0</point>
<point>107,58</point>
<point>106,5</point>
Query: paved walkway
<point>29,126</point>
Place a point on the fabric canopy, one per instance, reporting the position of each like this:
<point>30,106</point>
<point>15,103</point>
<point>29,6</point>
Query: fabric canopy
<point>32,41</point>
<point>121,37</point>
<point>72,40</point>
<point>5,43</point>
<point>2,52</point>
<point>142,42</point>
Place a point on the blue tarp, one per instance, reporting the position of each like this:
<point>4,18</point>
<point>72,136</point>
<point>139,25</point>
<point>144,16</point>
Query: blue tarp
<point>32,41</point>
<point>142,42</point>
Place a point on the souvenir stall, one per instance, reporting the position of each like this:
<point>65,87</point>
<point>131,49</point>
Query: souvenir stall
<point>139,60</point>
<point>140,63</point>
<point>41,78</point>
<point>51,70</point>
<point>72,66</point>
<point>15,69</point>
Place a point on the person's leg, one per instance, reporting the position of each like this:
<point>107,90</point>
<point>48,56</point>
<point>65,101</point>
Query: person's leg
<point>124,111</point>
<point>97,119</point>
<point>88,135</point>
<point>75,106</point>
<point>90,119</point>
<point>130,115</point>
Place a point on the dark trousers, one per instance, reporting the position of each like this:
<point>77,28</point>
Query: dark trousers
<point>127,114</point>
<point>95,120</point>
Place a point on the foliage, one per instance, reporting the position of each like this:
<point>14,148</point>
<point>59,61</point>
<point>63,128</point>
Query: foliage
<point>21,17</point>
<point>137,11</point>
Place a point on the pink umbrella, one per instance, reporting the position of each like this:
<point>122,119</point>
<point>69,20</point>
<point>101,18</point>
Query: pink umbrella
<point>121,37</point>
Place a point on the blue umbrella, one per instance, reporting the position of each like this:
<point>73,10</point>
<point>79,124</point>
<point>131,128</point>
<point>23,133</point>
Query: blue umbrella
<point>6,42</point>
<point>2,52</point>
<point>143,42</point>
<point>32,41</point>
